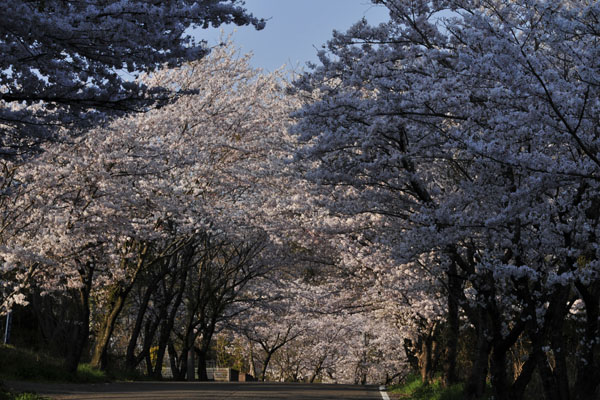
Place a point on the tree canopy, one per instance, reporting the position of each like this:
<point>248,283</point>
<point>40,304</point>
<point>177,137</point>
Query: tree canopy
<point>70,63</point>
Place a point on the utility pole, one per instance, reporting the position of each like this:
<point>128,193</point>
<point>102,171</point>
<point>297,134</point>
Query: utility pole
<point>7,328</point>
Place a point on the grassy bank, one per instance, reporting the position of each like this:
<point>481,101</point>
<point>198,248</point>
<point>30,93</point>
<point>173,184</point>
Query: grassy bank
<point>18,364</point>
<point>24,365</point>
<point>414,389</point>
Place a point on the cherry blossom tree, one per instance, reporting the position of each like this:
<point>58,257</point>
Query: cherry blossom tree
<point>72,67</point>
<point>271,327</point>
<point>217,281</point>
<point>469,130</point>
<point>307,328</point>
<point>157,298</point>
<point>125,197</point>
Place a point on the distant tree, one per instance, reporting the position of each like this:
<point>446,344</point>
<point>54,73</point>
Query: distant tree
<point>272,324</point>
<point>216,282</point>
<point>69,63</point>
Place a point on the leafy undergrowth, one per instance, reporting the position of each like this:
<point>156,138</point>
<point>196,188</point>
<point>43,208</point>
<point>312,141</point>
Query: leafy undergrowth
<point>87,374</point>
<point>414,389</point>
<point>21,396</point>
<point>26,365</point>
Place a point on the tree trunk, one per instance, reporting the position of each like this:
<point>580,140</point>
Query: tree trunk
<point>555,378</point>
<point>167,326</point>
<point>106,330</point>
<point>117,301</point>
<point>450,376</point>
<point>475,388</point>
<point>561,368</point>
<point>411,357</point>
<point>202,374</point>
<point>80,334</point>
<point>207,333</point>
<point>317,370</point>
<point>548,380</point>
<point>150,367</point>
<point>517,390</point>
<point>425,360</point>
<point>252,363</point>
<point>502,342</point>
<point>178,365</point>
<point>588,368</point>
<point>131,361</point>
<point>498,372</point>
<point>263,374</point>
<point>191,370</point>
<point>79,338</point>
<point>163,340</point>
<point>427,356</point>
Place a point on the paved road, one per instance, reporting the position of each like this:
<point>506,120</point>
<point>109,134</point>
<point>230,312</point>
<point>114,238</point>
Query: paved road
<point>201,390</point>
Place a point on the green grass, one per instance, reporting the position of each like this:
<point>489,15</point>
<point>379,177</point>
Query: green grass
<point>87,374</point>
<point>414,389</point>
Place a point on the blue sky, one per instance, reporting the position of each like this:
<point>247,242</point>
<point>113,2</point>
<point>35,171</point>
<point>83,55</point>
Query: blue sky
<point>295,29</point>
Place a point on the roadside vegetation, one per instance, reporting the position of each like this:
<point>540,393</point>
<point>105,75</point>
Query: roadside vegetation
<point>413,388</point>
<point>25,365</point>
<point>18,364</point>
<point>5,395</point>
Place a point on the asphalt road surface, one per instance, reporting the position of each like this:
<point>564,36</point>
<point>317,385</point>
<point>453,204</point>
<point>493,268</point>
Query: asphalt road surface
<point>201,390</point>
